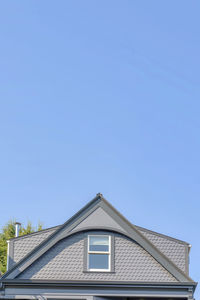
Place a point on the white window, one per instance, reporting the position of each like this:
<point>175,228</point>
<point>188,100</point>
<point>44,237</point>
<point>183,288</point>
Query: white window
<point>99,251</point>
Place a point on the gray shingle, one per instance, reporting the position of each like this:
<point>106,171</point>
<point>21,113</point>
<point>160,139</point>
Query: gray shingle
<point>23,245</point>
<point>64,261</point>
<point>174,250</point>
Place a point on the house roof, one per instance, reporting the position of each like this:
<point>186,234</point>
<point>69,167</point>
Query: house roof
<point>66,229</point>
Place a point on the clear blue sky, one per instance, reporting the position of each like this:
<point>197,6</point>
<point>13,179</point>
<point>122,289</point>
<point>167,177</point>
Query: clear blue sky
<point>102,96</point>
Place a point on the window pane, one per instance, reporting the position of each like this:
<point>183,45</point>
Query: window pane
<point>99,243</point>
<point>98,261</point>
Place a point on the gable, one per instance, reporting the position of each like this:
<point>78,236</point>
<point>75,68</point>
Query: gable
<point>98,218</point>
<point>65,261</point>
<point>97,207</point>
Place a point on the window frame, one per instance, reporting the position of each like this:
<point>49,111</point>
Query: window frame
<point>109,252</point>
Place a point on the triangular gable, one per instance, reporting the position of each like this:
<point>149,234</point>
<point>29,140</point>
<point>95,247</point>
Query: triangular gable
<point>69,227</point>
<point>96,219</point>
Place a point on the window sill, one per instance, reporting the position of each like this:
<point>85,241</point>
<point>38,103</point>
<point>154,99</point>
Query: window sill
<point>105,272</point>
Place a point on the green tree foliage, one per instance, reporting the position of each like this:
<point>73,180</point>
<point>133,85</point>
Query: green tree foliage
<point>8,232</point>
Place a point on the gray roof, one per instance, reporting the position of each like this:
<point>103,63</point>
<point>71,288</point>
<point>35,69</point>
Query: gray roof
<point>157,246</point>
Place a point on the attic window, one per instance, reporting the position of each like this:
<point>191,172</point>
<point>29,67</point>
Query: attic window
<point>99,251</point>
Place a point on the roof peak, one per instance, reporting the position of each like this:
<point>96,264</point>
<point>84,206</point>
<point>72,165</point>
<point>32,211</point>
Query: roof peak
<point>99,195</point>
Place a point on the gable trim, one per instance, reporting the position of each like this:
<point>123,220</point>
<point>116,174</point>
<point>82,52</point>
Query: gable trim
<point>65,229</point>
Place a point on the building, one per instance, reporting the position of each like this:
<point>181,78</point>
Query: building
<point>97,255</point>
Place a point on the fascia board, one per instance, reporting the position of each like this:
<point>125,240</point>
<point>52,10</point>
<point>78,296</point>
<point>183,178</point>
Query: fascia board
<point>96,283</point>
<point>53,288</point>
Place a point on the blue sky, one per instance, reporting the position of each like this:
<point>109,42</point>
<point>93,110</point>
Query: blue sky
<point>102,96</point>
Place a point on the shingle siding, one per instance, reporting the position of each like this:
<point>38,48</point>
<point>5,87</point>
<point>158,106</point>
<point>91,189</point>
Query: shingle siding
<point>22,246</point>
<point>65,261</point>
<point>174,250</point>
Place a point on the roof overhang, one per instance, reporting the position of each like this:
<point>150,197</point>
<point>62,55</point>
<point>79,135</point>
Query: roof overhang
<point>50,288</point>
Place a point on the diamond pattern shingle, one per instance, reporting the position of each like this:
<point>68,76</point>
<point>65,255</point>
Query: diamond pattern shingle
<point>64,261</point>
<point>174,250</point>
<point>24,245</point>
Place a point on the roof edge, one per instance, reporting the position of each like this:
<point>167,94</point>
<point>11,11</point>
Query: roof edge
<point>163,235</point>
<point>33,233</point>
<point>88,283</point>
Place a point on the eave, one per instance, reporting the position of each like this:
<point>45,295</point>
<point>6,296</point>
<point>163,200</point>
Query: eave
<point>93,284</point>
